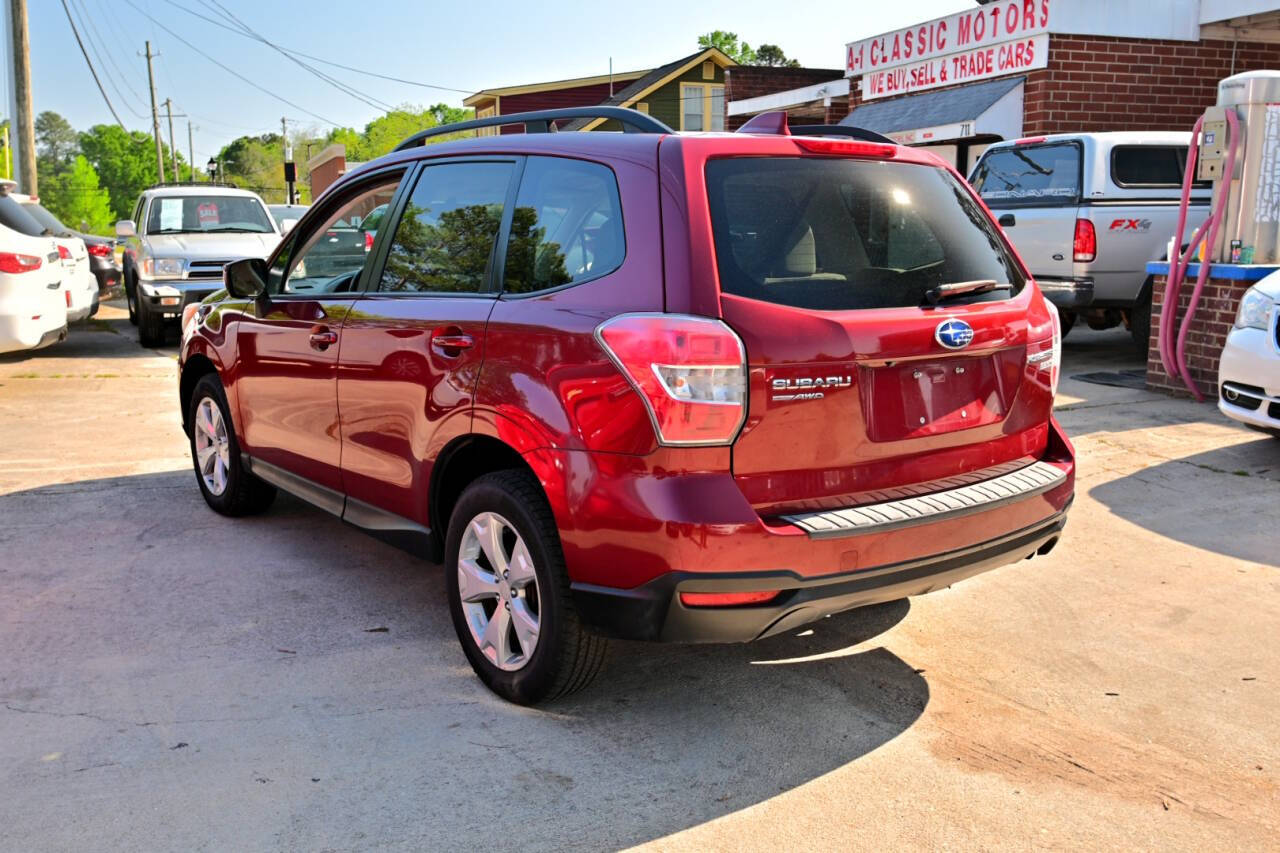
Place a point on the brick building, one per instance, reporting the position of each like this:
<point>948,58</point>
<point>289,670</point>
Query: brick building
<point>1028,67</point>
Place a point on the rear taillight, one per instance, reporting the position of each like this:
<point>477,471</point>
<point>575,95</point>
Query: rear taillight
<point>100,250</point>
<point>691,373</point>
<point>1085,247</point>
<point>727,599</point>
<point>12,262</point>
<point>64,253</point>
<point>1045,356</point>
<point>67,294</point>
<point>368,241</point>
<point>844,147</point>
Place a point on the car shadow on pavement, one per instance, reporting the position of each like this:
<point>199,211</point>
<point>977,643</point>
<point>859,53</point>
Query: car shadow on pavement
<point>1217,500</point>
<point>292,648</point>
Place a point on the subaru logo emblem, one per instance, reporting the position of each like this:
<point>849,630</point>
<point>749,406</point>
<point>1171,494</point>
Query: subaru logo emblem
<point>954,334</point>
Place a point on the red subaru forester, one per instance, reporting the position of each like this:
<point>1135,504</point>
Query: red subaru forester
<point>689,387</point>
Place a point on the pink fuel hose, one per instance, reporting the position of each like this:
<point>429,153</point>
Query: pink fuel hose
<point>1173,354</point>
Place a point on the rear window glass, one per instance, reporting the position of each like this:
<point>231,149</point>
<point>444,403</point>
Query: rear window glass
<point>839,234</point>
<point>1150,166</point>
<point>1029,174</point>
<point>12,216</point>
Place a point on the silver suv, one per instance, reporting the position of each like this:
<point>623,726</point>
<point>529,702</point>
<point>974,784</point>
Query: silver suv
<point>179,239</point>
<point>1087,211</point>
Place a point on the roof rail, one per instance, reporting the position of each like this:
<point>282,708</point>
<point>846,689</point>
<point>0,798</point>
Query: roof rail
<point>542,121</point>
<point>774,122</point>
<point>162,184</point>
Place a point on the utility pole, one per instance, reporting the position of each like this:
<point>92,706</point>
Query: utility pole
<point>155,115</point>
<point>23,117</point>
<point>191,152</point>
<point>290,173</point>
<point>173,152</point>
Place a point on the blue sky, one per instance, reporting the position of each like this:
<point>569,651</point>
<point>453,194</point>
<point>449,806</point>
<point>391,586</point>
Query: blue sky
<point>465,46</point>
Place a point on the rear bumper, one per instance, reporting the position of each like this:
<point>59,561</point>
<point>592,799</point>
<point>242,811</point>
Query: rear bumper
<point>655,612</point>
<point>1067,293</point>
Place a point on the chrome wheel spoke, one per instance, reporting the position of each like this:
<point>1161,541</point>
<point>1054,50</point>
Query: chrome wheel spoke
<point>520,566</point>
<point>205,456</point>
<point>474,583</point>
<point>488,531</point>
<point>498,588</point>
<point>495,640</point>
<point>526,625</point>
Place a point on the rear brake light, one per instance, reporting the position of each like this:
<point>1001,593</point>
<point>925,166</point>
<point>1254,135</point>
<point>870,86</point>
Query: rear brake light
<point>845,147</point>
<point>1046,356</point>
<point>1085,246</point>
<point>1029,140</point>
<point>691,373</point>
<point>64,253</point>
<point>727,599</point>
<point>101,250</point>
<point>12,262</point>
<point>67,293</point>
<point>368,241</point>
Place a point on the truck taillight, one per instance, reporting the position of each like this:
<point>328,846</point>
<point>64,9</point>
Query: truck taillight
<point>12,262</point>
<point>64,253</point>
<point>1085,248</point>
<point>691,373</point>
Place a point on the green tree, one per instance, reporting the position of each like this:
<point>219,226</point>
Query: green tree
<point>75,197</point>
<point>56,140</point>
<point>125,162</point>
<point>771,54</point>
<point>728,43</point>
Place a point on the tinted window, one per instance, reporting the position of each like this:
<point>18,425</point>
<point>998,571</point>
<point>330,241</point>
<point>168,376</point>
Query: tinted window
<point>1150,166</point>
<point>567,225</point>
<point>14,217</point>
<point>202,214</point>
<point>840,234</point>
<point>330,257</point>
<point>1029,174</point>
<point>47,219</point>
<point>444,240</point>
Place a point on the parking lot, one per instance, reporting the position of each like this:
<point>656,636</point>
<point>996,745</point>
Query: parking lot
<point>174,679</point>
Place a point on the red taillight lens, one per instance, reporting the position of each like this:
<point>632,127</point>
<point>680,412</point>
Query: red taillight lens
<point>691,373</point>
<point>64,253</point>
<point>727,599</point>
<point>67,294</point>
<point>845,147</point>
<point>1085,247</point>
<point>1044,356</point>
<point>12,262</point>
<point>101,250</point>
<point>368,241</point>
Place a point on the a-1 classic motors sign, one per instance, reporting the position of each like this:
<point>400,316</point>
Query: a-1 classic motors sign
<point>1003,37</point>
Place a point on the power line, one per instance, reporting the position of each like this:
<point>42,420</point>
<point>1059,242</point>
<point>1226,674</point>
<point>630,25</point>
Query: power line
<point>230,71</point>
<point>85,54</point>
<point>89,35</point>
<point>337,84</point>
<point>105,42</point>
<point>319,59</point>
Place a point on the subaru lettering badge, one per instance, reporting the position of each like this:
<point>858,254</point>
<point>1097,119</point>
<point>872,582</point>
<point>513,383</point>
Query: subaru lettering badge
<point>954,334</point>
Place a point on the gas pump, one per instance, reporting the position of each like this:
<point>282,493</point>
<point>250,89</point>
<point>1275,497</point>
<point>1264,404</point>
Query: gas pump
<point>1236,145</point>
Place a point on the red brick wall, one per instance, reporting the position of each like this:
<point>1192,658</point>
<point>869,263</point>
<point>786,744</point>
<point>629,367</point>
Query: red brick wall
<point>750,81</point>
<point>577,96</point>
<point>1214,315</point>
<point>1099,83</point>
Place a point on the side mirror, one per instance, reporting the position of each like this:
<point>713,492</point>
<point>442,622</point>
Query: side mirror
<point>126,228</point>
<point>246,278</point>
<point>286,225</point>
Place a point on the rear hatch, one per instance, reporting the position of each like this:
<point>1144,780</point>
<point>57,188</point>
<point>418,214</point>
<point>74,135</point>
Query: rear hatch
<point>861,381</point>
<point>1033,190</point>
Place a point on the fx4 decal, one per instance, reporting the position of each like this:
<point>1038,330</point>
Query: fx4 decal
<point>1139,225</point>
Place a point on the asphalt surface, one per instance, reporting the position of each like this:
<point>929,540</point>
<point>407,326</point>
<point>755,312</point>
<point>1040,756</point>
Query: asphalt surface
<point>170,679</point>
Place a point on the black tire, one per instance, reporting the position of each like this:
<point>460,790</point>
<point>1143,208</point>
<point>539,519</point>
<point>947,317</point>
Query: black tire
<point>150,327</point>
<point>1068,319</point>
<point>566,656</point>
<point>1140,319</point>
<point>131,297</point>
<point>244,493</point>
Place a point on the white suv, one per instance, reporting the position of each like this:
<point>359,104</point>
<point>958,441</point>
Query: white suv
<point>1249,371</point>
<point>33,303</point>
<point>177,243</point>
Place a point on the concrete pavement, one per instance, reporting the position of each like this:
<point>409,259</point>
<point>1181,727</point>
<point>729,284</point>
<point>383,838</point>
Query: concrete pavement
<point>175,680</point>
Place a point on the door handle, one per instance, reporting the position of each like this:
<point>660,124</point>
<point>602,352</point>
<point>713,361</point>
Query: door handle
<point>451,342</point>
<point>1007,221</point>
<point>324,339</point>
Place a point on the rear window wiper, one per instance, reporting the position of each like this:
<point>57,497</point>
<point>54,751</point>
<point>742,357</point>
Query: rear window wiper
<point>960,288</point>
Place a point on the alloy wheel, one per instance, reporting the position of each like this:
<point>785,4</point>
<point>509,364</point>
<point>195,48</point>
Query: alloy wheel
<point>213,447</point>
<point>499,591</point>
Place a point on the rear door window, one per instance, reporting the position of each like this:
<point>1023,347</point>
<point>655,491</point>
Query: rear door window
<point>1150,166</point>
<point>1029,174</point>
<point>835,234</point>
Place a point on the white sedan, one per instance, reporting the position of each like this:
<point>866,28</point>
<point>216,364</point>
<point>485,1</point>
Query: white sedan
<point>33,302</point>
<point>1249,371</point>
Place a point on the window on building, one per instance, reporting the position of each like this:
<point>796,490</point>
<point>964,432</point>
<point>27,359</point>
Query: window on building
<point>643,107</point>
<point>701,106</point>
<point>708,70</point>
<point>566,227</point>
<point>1029,174</point>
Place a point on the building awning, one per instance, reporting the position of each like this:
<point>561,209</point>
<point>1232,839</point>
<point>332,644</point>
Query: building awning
<point>990,108</point>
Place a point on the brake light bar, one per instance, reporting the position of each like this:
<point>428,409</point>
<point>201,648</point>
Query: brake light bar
<point>845,147</point>
<point>1030,140</point>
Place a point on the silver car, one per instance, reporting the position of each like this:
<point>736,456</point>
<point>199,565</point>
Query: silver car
<point>179,239</point>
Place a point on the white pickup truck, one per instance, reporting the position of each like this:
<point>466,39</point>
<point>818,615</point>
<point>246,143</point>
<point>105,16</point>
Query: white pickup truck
<point>1087,212</point>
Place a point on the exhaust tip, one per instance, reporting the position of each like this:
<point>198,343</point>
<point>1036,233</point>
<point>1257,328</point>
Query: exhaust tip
<point>1047,547</point>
